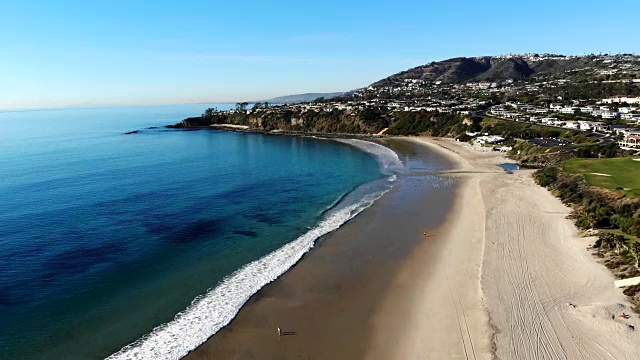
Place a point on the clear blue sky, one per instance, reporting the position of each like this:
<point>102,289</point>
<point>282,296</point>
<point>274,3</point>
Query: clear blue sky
<point>58,53</point>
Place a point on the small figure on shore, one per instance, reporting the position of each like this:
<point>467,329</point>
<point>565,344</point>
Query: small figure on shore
<point>279,332</point>
<point>624,316</point>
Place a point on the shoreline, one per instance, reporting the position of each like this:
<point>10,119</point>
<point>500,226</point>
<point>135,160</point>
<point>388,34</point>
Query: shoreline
<point>246,129</point>
<point>445,316</point>
<point>213,310</point>
<point>498,272</point>
<point>329,297</point>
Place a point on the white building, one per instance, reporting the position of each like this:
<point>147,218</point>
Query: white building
<point>630,142</point>
<point>610,115</point>
<point>589,125</point>
<point>489,139</point>
<point>571,125</point>
<point>622,99</point>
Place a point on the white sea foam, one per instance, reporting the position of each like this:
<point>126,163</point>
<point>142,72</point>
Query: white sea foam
<point>210,312</point>
<point>387,158</point>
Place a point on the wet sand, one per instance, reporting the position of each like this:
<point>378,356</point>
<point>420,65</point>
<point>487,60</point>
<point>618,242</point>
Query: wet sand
<point>327,303</point>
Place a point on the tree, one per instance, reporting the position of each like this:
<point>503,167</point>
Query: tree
<point>619,241</point>
<point>606,240</point>
<point>257,106</point>
<point>209,112</point>
<point>635,249</point>
<point>242,106</point>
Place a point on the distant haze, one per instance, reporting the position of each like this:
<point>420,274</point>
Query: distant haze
<point>292,99</point>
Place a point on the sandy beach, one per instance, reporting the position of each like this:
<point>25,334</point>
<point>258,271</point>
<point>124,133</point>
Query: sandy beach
<point>487,268</point>
<point>544,294</point>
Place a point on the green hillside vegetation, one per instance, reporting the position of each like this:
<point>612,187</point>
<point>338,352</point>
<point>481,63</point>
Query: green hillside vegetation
<point>624,173</point>
<point>523,148</point>
<point>525,130</point>
<point>367,121</point>
<point>588,89</point>
<point>432,124</point>
<point>594,207</point>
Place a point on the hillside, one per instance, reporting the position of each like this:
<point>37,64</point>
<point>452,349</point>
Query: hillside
<point>294,99</point>
<point>487,68</point>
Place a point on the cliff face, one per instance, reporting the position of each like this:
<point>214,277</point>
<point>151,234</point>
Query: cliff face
<point>370,121</point>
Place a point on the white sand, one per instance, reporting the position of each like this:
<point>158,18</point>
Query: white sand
<point>230,126</point>
<point>627,282</point>
<point>513,279</point>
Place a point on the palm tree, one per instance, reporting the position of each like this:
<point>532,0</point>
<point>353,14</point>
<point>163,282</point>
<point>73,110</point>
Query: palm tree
<point>635,249</point>
<point>619,241</point>
<point>607,240</point>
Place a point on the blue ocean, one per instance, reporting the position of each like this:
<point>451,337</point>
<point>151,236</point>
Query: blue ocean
<point>144,245</point>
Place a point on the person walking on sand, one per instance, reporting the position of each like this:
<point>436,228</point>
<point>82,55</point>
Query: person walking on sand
<point>279,332</point>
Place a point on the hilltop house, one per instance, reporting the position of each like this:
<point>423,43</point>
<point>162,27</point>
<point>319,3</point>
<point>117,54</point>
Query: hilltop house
<point>622,99</point>
<point>610,115</point>
<point>630,142</point>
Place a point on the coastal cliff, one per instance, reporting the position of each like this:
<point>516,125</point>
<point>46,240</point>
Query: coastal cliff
<point>369,121</point>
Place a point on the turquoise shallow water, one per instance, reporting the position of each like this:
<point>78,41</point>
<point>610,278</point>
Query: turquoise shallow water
<point>105,236</point>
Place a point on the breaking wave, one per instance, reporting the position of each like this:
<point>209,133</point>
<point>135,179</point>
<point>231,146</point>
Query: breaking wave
<point>387,158</point>
<point>210,312</point>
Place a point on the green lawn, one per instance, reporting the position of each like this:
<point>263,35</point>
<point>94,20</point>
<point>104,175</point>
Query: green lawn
<point>624,173</point>
<point>630,238</point>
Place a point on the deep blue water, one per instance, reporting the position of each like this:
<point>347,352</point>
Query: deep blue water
<point>104,236</point>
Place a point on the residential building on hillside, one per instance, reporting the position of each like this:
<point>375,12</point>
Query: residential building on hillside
<point>622,99</point>
<point>630,142</point>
